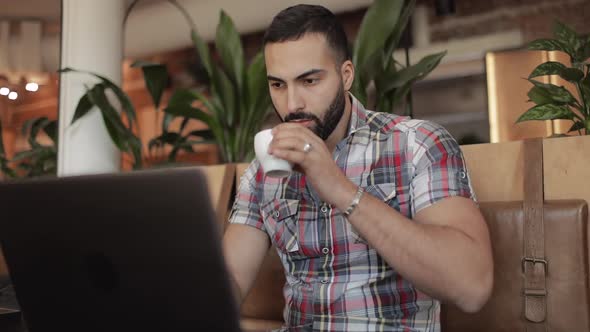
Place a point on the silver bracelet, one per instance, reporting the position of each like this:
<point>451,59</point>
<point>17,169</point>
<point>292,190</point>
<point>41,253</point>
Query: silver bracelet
<point>355,201</point>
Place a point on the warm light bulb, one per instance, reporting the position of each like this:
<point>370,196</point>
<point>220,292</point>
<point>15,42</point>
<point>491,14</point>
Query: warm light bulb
<point>32,86</point>
<point>13,95</point>
<point>4,91</point>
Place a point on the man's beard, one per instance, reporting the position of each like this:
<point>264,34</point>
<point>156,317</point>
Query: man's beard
<point>323,128</point>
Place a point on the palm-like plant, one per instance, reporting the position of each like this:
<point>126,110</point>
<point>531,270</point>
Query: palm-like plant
<point>556,102</point>
<point>238,97</point>
<point>4,162</point>
<point>40,159</point>
<point>379,35</point>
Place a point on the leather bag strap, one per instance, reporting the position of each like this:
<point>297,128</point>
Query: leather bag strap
<point>534,264</point>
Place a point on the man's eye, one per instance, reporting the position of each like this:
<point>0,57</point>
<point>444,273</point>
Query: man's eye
<point>310,81</point>
<point>276,85</point>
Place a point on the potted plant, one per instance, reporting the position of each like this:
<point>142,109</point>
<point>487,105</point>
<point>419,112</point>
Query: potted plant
<point>556,102</point>
<point>379,35</point>
<point>40,159</point>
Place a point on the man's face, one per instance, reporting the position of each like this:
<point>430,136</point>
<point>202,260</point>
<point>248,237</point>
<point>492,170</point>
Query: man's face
<point>305,83</point>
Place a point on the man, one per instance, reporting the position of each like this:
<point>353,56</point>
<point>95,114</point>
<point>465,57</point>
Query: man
<point>378,223</point>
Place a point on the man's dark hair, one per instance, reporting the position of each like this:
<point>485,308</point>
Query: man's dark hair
<point>292,23</point>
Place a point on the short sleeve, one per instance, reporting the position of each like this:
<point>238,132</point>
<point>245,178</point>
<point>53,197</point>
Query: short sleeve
<point>440,169</point>
<point>246,209</point>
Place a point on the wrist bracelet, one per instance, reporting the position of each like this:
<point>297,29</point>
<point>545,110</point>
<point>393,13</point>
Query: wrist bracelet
<point>355,201</point>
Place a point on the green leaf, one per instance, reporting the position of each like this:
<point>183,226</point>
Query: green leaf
<point>123,98</point>
<point>225,91</point>
<point>229,46</point>
<point>51,131</point>
<point>205,134</point>
<point>378,24</point>
<point>539,96</point>
<point>567,36</point>
<point>578,125</point>
<point>558,94</point>
<point>84,106</point>
<point>548,68</point>
<point>572,75</point>
<point>188,111</point>
<point>155,76</point>
<point>33,127</point>
<point>548,45</point>
<point>547,112</point>
<point>115,127</point>
<point>411,74</point>
<point>393,40</point>
<point>203,51</point>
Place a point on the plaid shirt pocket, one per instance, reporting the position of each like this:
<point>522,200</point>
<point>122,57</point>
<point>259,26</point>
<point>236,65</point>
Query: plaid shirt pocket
<point>280,219</point>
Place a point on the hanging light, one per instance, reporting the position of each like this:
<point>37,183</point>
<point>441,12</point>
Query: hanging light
<point>32,86</point>
<point>13,95</point>
<point>4,91</point>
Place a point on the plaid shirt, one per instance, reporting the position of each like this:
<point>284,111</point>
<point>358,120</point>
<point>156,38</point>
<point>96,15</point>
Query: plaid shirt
<point>335,280</point>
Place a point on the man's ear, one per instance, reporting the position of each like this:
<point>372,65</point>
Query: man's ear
<point>347,73</point>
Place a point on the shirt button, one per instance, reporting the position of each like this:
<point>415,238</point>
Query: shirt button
<point>462,175</point>
<point>277,214</point>
<point>324,281</point>
<point>324,209</point>
<point>325,251</point>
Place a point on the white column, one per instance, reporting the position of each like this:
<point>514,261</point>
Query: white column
<point>91,39</point>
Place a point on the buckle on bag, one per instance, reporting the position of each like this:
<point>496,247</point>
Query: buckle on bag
<point>535,261</point>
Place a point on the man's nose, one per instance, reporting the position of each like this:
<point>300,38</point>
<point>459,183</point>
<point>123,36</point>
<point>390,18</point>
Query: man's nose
<point>294,101</point>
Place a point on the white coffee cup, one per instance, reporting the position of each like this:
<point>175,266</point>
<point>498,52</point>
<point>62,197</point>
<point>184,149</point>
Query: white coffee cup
<point>271,165</point>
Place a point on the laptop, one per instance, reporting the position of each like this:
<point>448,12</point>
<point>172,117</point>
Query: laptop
<point>136,251</point>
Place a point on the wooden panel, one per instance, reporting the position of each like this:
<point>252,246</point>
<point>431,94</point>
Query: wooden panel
<point>496,170</point>
<point>507,95</point>
<point>567,167</point>
<point>220,181</point>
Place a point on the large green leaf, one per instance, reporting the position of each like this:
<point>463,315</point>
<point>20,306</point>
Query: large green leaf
<point>547,45</point>
<point>125,101</point>
<point>188,111</point>
<point>378,24</point>
<point>548,68</point>
<point>547,112</point>
<point>84,106</point>
<point>539,96</point>
<point>33,127</point>
<point>568,37</point>
<point>229,46</point>
<point>155,76</point>
<point>392,42</point>
<point>203,51</point>
<point>111,119</point>
<point>51,131</point>
<point>411,74</point>
<point>226,92</point>
<point>558,94</point>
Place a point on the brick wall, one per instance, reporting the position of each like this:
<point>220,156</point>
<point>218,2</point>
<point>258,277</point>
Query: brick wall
<point>533,17</point>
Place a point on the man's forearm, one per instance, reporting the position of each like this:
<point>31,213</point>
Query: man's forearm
<point>441,261</point>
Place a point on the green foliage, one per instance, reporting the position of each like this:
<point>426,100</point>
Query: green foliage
<point>379,35</point>
<point>556,102</point>
<point>40,159</point>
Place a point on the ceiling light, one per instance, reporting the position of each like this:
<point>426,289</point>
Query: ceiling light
<point>13,95</point>
<point>32,87</point>
<point>4,91</point>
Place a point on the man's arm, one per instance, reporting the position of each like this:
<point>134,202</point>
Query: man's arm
<point>244,249</point>
<point>445,252</point>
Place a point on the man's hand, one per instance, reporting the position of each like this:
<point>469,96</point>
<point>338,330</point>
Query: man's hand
<point>289,141</point>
